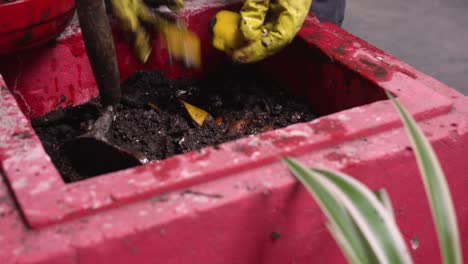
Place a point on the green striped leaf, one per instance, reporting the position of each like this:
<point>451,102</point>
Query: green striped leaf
<point>368,214</point>
<point>437,190</point>
<point>345,245</point>
<point>371,217</point>
<point>383,197</point>
<point>341,226</point>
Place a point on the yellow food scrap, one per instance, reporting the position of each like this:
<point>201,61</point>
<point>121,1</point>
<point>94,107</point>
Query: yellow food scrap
<point>197,114</point>
<point>183,44</point>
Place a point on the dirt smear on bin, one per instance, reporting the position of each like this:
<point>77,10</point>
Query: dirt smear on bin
<point>151,119</point>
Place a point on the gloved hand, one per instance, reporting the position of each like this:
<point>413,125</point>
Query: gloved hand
<point>181,43</point>
<point>263,28</point>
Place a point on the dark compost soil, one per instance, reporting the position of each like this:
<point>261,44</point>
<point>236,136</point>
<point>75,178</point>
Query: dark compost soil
<point>238,100</point>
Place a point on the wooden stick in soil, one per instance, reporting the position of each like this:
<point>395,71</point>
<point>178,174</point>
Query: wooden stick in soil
<point>92,154</point>
<point>97,35</point>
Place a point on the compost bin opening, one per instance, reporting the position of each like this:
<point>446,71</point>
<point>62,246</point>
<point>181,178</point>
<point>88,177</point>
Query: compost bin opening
<point>152,120</point>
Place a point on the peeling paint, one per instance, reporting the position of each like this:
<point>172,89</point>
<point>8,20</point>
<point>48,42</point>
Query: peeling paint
<point>148,182</point>
<point>41,187</point>
<point>182,208</point>
<point>186,173</point>
<point>20,183</point>
<point>143,213</point>
<point>343,117</point>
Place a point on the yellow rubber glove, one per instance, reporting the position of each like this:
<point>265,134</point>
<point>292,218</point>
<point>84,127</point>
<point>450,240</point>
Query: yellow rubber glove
<point>267,26</point>
<point>225,32</point>
<point>181,43</point>
<point>130,14</point>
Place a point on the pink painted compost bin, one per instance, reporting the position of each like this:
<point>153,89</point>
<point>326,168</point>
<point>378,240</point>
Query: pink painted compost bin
<point>237,203</point>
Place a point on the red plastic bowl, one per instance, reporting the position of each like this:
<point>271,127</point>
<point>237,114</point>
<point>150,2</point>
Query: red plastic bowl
<point>28,23</point>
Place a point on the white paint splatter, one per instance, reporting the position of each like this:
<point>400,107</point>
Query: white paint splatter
<point>4,209</point>
<point>143,213</point>
<point>182,208</point>
<point>96,204</point>
<point>204,163</point>
<point>18,184</point>
<point>357,44</point>
<point>343,117</point>
<point>255,154</point>
<point>298,133</point>
<point>33,212</point>
<point>107,225</point>
<point>41,187</point>
<point>200,199</point>
<point>188,174</point>
<point>18,251</point>
<point>362,53</point>
<point>356,110</point>
<point>254,143</point>
<point>145,183</point>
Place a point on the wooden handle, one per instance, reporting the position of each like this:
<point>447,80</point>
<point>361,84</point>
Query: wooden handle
<point>97,35</point>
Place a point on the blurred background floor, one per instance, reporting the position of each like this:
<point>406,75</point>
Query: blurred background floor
<point>430,35</point>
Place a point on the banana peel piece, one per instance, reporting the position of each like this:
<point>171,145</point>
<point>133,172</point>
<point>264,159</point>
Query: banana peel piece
<point>198,115</point>
<point>182,44</point>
